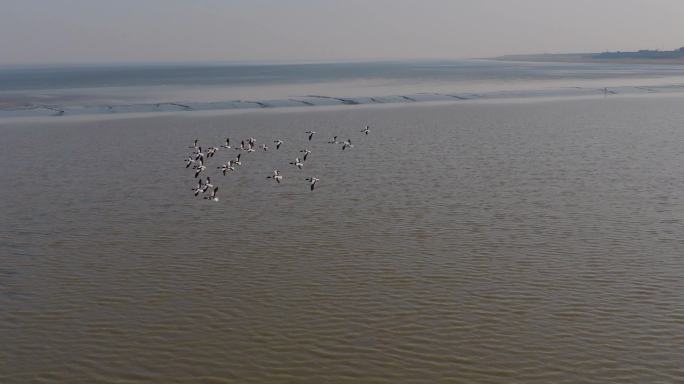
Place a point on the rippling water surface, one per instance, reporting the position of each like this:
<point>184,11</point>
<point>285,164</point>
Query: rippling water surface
<point>536,242</point>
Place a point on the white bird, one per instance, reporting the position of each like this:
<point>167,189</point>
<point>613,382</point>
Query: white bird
<point>277,143</point>
<point>237,160</point>
<point>306,153</point>
<point>366,130</point>
<point>311,133</point>
<point>227,144</point>
<point>297,163</point>
<point>225,168</point>
<point>313,181</point>
<point>213,195</point>
<point>198,188</point>
<point>199,170</point>
<point>198,153</point>
<point>189,161</point>
<point>194,144</point>
<point>207,185</point>
<point>276,176</point>
<point>333,140</point>
<point>347,144</point>
<point>211,151</point>
<point>264,147</point>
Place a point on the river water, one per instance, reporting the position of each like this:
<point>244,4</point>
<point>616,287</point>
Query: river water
<point>498,242</point>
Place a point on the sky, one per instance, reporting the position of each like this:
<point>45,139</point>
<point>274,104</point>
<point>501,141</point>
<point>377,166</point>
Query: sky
<point>120,31</point>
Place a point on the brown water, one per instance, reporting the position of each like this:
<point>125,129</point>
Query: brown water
<point>479,243</point>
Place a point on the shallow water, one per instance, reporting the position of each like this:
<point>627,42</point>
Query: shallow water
<point>96,90</point>
<point>481,243</point>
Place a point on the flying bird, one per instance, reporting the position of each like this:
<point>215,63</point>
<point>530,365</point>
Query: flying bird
<point>213,195</point>
<point>306,153</point>
<point>347,144</point>
<point>297,163</point>
<point>237,160</point>
<point>276,176</point>
<point>311,133</point>
<point>225,168</point>
<point>207,184</point>
<point>198,153</point>
<point>190,161</point>
<point>313,181</point>
<point>199,170</point>
<point>198,188</point>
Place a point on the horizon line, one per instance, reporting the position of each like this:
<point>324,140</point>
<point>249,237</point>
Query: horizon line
<point>227,62</point>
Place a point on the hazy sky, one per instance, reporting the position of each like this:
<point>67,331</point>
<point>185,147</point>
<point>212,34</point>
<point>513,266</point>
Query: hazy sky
<point>58,31</point>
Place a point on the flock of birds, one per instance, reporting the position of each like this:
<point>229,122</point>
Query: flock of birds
<point>199,159</point>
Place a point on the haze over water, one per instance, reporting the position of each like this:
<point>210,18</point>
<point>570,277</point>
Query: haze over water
<point>498,242</point>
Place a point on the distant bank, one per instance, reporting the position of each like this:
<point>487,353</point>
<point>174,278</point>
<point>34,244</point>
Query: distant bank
<point>637,57</point>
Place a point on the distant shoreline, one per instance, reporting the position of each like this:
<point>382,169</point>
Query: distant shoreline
<point>586,58</point>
